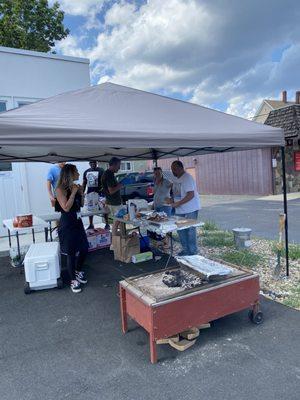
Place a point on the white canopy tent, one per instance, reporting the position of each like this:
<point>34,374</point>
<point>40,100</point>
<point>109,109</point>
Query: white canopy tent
<point>105,120</point>
<point>109,119</point>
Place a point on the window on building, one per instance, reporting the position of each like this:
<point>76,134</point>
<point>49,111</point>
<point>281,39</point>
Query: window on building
<point>126,166</point>
<point>5,166</point>
<point>2,106</point>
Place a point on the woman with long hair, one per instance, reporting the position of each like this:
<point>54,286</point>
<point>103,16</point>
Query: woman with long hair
<point>71,233</point>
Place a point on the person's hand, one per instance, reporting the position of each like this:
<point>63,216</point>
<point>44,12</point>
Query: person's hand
<point>168,200</point>
<point>52,200</point>
<point>80,189</point>
<point>75,188</point>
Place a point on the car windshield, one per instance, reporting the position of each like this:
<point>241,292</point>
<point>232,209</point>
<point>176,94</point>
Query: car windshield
<point>145,177</point>
<point>128,177</point>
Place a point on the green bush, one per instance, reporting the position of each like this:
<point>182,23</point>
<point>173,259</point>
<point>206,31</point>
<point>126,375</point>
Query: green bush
<point>243,258</point>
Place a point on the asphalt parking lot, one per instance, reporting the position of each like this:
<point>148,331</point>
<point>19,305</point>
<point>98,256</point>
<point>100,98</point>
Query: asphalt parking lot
<point>60,345</point>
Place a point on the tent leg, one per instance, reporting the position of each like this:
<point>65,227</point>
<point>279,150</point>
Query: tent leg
<point>154,157</point>
<point>285,210</point>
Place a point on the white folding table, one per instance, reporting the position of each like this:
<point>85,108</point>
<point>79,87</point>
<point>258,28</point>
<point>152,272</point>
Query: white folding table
<point>49,218</point>
<point>37,224</point>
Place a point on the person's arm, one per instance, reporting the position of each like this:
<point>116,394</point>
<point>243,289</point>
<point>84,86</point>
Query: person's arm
<point>188,187</point>
<point>84,182</point>
<point>66,204</point>
<point>112,186</point>
<point>188,197</point>
<point>170,200</point>
<point>114,189</point>
<point>50,193</point>
<point>81,192</point>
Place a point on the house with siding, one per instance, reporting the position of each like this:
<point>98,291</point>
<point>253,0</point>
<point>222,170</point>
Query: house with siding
<point>269,105</point>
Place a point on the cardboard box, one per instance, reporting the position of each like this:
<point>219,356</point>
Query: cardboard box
<point>98,239</point>
<point>125,247</point>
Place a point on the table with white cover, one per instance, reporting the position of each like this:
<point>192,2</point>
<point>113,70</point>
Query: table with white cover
<point>164,228</point>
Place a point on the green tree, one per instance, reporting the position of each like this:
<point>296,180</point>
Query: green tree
<point>31,24</point>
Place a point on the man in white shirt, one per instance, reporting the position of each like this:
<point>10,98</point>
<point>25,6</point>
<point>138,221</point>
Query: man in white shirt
<point>186,204</point>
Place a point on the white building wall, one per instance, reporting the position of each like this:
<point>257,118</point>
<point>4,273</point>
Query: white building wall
<point>26,77</point>
<point>38,200</point>
<point>32,75</point>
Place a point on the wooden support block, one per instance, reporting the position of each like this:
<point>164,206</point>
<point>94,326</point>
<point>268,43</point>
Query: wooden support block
<point>174,339</point>
<point>190,334</point>
<point>204,326</point>
<point>182,344</point>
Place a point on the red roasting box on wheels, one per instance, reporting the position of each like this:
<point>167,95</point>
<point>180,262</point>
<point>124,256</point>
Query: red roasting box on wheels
<point>169,316</point>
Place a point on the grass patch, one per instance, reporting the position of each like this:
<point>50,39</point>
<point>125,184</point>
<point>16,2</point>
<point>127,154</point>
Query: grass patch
<point>217,239</point>
<point>294,299</point>
<point>210,226</point>
<point>294,251</point>
<point>243,258</point>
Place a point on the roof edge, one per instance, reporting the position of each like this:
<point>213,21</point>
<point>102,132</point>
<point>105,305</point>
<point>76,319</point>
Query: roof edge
<point>32,53</point>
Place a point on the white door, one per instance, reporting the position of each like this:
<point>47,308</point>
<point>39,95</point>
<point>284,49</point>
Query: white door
<point>12,195</point>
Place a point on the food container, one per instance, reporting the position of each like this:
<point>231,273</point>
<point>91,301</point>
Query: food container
<point>24,221</point>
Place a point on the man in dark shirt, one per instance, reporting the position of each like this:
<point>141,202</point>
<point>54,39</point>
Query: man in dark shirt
<point>111,189</point>
<point>92,181</point>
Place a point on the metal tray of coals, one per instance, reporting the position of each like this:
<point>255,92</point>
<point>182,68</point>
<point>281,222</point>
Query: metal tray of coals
<point>152,286</point>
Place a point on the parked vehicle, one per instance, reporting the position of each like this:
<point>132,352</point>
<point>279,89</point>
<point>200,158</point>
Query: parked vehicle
<point>137,186</point>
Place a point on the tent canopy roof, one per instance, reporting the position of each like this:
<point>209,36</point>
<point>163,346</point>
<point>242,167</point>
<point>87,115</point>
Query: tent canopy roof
<point>108,119</point>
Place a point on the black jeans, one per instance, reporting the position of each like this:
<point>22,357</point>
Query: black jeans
<point>75,263</point>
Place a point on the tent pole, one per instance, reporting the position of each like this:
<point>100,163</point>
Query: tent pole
<point>285,210</point>
<point>154,157</point>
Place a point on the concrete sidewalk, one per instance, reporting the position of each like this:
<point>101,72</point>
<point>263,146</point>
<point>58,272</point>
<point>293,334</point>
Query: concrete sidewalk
<point>60,345</point>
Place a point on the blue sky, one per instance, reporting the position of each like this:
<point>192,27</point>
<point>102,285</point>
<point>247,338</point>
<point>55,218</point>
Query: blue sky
<point>225,54</point>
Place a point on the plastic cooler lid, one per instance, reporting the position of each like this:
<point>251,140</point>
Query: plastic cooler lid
<point>42,250</point>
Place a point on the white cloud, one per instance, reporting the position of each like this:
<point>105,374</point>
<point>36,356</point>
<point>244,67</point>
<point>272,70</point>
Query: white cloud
<point>215,53</point>
<point>120,14</point>
<point>71,46</point>
<point>241,106</point>
<point>81,7</point>
<point>147,76</point>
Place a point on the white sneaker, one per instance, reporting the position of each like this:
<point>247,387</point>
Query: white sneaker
<point>75,286</point>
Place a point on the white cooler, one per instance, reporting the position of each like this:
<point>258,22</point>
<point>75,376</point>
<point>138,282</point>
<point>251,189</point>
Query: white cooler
<point>42,267</point>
